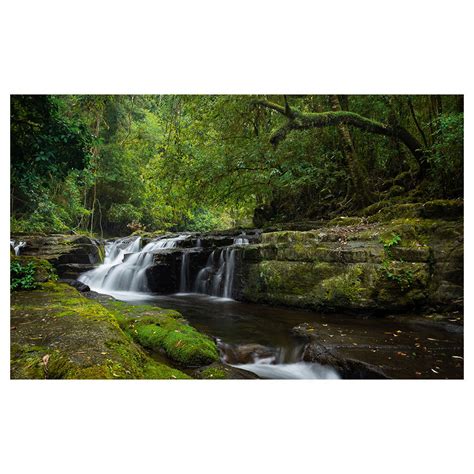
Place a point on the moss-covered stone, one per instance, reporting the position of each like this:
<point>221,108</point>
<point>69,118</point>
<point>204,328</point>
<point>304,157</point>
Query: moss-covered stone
<point>345,221</point>
<point>165,330</point>
<point>58,333</point>
<point>44,271</point>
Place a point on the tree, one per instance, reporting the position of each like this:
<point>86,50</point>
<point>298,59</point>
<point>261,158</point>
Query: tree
<point>296,120</point>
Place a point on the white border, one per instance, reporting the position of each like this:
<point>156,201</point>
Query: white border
<point>235,47</point>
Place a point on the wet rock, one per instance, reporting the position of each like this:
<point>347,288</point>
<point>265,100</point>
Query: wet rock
<point>78,285</point>
<point>351,268</point>
<point>245,353</point>
<point>347,368</point>
<point>64,250</point>
<point>59,334</point>
<point>218,370</point>
<point>73,270</point>
<point>304,330</point>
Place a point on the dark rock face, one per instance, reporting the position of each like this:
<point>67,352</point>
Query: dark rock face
<point>78,285</point>
<point>71,255</point>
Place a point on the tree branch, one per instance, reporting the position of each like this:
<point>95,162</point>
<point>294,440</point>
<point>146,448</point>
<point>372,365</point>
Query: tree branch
<point>303,121</point>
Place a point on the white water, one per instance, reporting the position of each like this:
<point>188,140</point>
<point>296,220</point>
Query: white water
<point>297,370</point>
<point>184,274</point>
<point>125,265</point>
<point>217,277</point>
<point>17,246</point>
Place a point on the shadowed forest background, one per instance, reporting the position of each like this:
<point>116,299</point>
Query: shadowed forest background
<point>112,165</point>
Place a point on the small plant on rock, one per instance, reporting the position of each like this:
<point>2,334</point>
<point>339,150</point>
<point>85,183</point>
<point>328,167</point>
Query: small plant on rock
<point>22,277</point>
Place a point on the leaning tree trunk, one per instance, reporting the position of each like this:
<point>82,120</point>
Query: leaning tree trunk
<point>303,121</point>
<point>357,170</point>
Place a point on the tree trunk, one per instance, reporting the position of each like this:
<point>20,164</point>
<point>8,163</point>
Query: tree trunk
<point>357,171</point>
<point>304,121</point>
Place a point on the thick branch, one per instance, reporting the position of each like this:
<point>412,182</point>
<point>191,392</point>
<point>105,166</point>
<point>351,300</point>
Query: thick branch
<point>304,121</point>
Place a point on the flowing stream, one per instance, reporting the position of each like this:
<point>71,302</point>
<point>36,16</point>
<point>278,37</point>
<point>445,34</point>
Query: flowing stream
<point>258,337</point>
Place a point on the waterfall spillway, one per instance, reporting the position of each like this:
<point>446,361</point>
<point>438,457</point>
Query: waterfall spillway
<point>126,266</point>
<point>217,277</point>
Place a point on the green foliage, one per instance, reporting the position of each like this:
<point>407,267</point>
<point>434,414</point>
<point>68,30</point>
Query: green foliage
<point>22,277</point>
<point>446,157</point>
<point>402,277</point>
<point>390,242</point>
<point>122,216</point>
<point>26,272</point>
<point>115,164</point>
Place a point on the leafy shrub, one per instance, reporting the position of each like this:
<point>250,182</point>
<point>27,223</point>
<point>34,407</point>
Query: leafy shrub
<point>22,276</point>
<point>26,272</point>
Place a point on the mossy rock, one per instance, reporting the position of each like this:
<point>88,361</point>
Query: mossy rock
<point>220,371</point>
<point>345,221</point>
<point>44,271</point>
<point>443,209</point>
<point>58,333</point>
<point>165,330</point>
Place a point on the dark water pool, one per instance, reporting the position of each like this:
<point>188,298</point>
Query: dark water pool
<point>403,346</point>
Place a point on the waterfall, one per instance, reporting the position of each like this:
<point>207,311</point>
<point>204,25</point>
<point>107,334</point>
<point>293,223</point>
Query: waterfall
<point>217,277</point>
<point>202,279</point>
<point>184,276</point>
<point>125,265</point>
<point>17,246</point>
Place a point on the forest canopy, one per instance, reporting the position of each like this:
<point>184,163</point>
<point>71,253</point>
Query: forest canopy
<point>115,164</point>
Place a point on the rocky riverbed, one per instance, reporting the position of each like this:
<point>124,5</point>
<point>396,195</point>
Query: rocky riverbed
<point>385,289</point>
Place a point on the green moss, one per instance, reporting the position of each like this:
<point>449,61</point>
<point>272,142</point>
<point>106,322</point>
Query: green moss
<point>84,339</point>
<point>443,209</point>
<point>162,371</point>
<point>164,329</point>
<point>345,288</point>
<point>213,373</point>
<point>181,343</point>
<point>345,221</point>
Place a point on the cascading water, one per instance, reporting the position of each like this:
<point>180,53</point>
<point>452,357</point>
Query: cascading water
<point>217,277</point>
<point>274,363</point>
<point>125,265</point>
<point>17,246</point>
<point>184,276</point>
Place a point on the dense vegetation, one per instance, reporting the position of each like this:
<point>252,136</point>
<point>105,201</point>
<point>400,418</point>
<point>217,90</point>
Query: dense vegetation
<point>116,164</point>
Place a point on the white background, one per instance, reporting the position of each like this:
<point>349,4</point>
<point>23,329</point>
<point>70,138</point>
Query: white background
<point>235,47</point>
